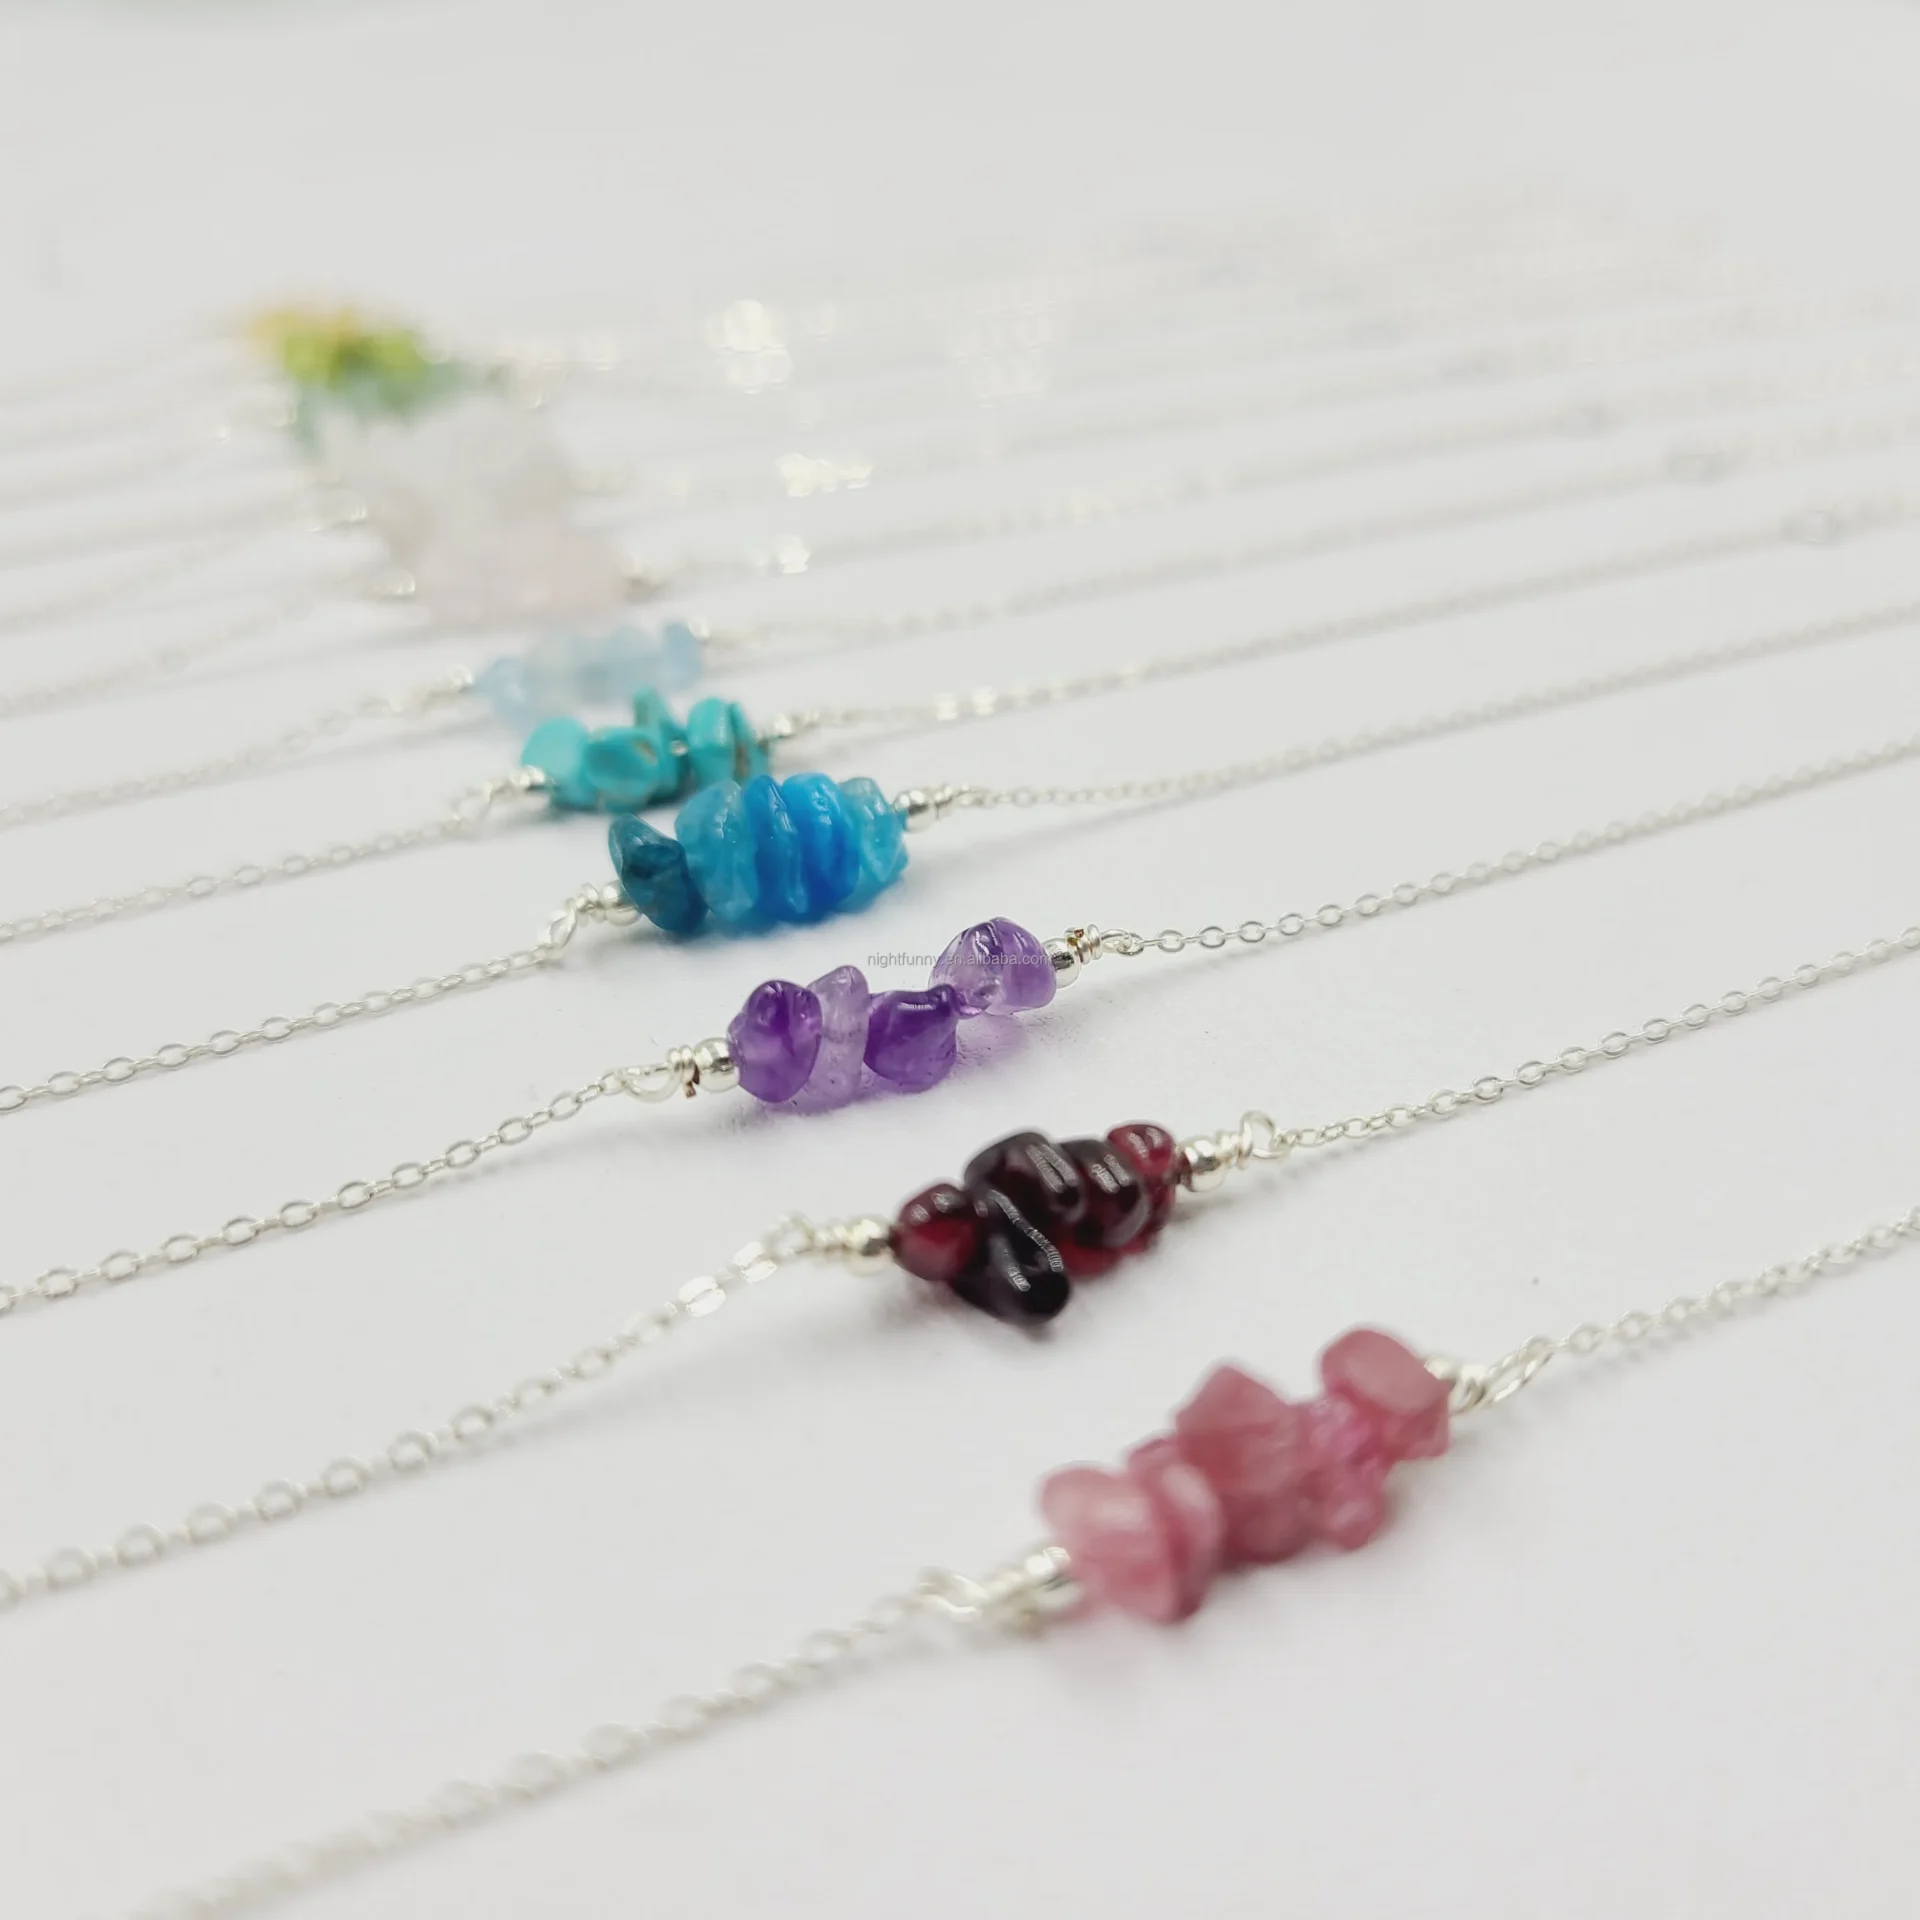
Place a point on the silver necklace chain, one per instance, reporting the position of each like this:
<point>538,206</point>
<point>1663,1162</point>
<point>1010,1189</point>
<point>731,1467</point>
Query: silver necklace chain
<point>1583,347</point>
<point>1816,525</point>
<point>462,817</point>
<point>275,750</point>
<point>1531,426</point>
<point>1014,1597</point>
<point>157,663</point>
<point>750,352</point>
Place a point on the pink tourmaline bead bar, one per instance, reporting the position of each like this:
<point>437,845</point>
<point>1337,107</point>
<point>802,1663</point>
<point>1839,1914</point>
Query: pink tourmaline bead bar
<point>1247,1478</point>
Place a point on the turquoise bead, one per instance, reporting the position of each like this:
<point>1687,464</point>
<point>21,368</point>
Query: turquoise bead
<point>780,882</point>
<point>721,743</point>
<point>654,717</point>
<point>627,767</point>
<point>878,834</point>
<point>654,875</point>
<point>829,852</point>
<point>712,828</point>
<point>559,749</point>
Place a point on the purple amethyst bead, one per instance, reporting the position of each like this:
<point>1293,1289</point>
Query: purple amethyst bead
<point>844,1001</point>
<point>996,967</point>
<point>775,1039</point>
<point>910,1036</point>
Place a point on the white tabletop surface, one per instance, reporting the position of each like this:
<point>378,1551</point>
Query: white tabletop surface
<point>1642,1645</point>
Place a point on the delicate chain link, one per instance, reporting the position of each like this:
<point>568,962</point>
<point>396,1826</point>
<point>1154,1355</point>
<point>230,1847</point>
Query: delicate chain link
<point>275,750</point>
<point>253,520</point>
<point>1398,733</point>
<point>1084,507</point>
<point>989,702</point>
<point>536,1777</point>
<point>1492,1088</point>
<point>320,1019</point>
<point>416,1449</point>
<point>1818,525</point>
<point>126,583</point>
<point>1488,1385</point>
<point>158,663</point>
<point>1712,805</point>
<point>1628,302</point>
<point>466,812</point>
<point>593,903</point>
<point>180,1249</point>
<point>1582,348</point>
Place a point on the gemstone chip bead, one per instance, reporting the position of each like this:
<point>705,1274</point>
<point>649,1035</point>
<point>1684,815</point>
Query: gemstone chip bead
<point>1248,1478</point>
<point>996,967</point>
<point>654,878</point>
<point>775,1039</point>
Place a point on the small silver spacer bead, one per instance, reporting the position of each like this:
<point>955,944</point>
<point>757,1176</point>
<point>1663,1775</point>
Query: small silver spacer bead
<point>1036,1587</point>
<point>1202,1164</point>
<point>916,809</point>
<point>1064,961</point>
<point>866,1244</point>
<point>1469,1382</point>
<point>714,1070</point>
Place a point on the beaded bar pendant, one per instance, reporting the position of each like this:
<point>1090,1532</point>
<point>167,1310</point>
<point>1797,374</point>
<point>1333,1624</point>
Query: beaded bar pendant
<point>1246,1478</point>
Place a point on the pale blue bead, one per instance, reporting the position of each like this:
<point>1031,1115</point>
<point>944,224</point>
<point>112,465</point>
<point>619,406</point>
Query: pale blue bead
<point>632,663</point>
<point>713,829</point>
<point>502,684</point>
<point>551,680</point>
<point>679,656</point>
<point>559,749</point>
<point>629,660</point>
<point>779,879</point>
<point>878,834</point>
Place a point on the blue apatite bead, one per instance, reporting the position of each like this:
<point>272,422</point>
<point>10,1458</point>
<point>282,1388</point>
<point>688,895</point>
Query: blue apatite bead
<point>712,830</point>
<point>780,883</point>
<point>628,768</point>
<point>679,656</point>
<point>652,869</point>
<point>655,718</point>
<point>721,744</point>
<point>829,853</point>
<point>877,832</point>
<point>559,749</point>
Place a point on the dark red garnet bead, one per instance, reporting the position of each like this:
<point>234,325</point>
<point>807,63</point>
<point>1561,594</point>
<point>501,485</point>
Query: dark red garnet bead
<point>1031,1215</point>
<point>1114,1207</point>
<point>1020,1275</point>
<point>938,1234</point>
<point>1157,1154</point>
<point>1038,1177</point>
